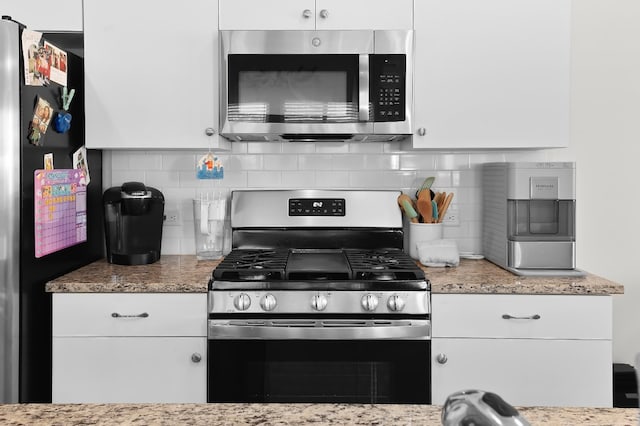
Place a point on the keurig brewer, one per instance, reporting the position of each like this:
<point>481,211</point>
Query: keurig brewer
<point>529,217</point>
<point>133,216</point>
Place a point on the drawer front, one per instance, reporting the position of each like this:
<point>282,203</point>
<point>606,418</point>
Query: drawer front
<point>522,316</point>
<point>118,314</point>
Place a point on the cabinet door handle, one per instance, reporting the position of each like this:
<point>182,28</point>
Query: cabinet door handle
<point>209,131</point>
<point>324,13</point>
<point>142,315</point>
<point>196,357</point>
<point>441,358</point>
<point>422,131</point>
<point>306,13</point>
<point>530,317</point>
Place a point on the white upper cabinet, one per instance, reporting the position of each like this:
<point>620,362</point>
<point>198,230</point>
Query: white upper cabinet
<point>39,15</point>
<point>316,14</point>
<point>151,74</point>
<point>492,73</point>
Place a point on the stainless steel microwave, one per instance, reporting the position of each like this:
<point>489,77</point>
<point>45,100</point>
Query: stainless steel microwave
<point>316,85</point>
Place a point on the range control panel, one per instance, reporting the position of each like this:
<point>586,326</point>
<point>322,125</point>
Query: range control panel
<point>316,206</point>
<point>387,87</point>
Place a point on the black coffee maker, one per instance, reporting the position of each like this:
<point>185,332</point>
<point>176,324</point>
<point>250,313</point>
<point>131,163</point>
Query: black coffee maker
<point>133,216</point>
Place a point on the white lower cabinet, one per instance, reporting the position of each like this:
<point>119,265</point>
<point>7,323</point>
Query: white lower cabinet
<point>548,351</point>
<point>129,348</point>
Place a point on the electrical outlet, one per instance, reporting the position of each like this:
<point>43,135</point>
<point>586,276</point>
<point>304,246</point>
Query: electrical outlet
<point>451,217</point>
<point>172,218</point>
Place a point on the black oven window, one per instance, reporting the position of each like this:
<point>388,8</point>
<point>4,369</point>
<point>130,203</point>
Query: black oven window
<point>320,371</point>
<point>293,88</point>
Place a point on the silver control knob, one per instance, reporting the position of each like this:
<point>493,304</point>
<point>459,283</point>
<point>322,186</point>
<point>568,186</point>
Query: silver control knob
<point>319,302</point>
<point>395,303</point>
<point>442,358</point>
<point>369,302</point>
<point>242,302</point>
<point>268,302</point>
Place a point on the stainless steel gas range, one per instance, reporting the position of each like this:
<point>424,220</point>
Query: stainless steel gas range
<point>317,302</point>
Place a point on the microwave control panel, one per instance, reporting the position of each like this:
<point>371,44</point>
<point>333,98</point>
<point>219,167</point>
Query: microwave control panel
<point>387,86</point>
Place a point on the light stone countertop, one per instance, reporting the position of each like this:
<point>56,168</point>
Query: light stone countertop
<point>186,274</point>
<point>282,414</point>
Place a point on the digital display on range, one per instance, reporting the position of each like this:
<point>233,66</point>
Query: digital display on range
<point>316,207</point>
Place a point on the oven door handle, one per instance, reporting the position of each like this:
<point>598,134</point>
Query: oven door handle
<point>319,330</point>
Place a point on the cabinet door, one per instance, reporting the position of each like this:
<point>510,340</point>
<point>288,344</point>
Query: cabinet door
<point>267,15</point>
<point>526,372</point>
<point>40,15</point>
<point>129,369</point>
<point>492,74</point>
<point>364,15</point>
<point>151,75</point>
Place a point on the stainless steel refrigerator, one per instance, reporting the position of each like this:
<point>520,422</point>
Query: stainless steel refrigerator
<point>25,307</point>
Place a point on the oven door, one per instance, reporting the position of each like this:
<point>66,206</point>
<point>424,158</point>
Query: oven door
<point>328,361</point>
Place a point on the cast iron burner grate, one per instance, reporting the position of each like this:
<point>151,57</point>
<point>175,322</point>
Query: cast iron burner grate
<point>252,265</point>
<point>383,265</point>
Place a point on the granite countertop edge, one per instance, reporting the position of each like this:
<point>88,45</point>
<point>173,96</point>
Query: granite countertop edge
<point>283,414</point>
<point>186,274</point>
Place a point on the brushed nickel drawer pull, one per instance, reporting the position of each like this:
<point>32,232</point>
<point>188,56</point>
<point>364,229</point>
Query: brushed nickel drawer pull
<point>531,317</point>
<point>117,315</point>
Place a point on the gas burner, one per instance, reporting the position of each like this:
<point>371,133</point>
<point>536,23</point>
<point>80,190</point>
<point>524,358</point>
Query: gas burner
<point>252,265</point>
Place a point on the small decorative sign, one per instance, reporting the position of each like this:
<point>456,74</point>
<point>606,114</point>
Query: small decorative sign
<point>60,210</point>
<point>209,167</point>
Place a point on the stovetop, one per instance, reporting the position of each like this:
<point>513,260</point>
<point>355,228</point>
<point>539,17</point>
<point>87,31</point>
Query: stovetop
<point>317,266</point>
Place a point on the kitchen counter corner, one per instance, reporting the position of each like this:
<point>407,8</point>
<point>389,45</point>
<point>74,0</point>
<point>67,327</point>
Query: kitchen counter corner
<point>171,274</point>
<point>484,277</point>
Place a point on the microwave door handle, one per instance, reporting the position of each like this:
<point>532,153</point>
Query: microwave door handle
<point>363,85</point>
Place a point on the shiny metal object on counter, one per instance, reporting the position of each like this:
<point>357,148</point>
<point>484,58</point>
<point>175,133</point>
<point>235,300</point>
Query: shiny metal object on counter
<point>479,408</point>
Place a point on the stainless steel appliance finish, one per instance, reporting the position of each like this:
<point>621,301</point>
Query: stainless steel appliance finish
<point>25,306</point>
<point>10,210</point>
<point>529,217</point>
<point>358,115</point>
<point>318,302</point>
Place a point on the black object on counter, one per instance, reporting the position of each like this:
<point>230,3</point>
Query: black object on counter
<point>133,216</point>
<point>625,386</point>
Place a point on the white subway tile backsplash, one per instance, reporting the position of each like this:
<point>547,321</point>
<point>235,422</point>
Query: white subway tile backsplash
<point>348,162</point>
<point>332,147</point>
<point>417,162</point>
<point>298,179</point>
<point>145,160</point>
<point>264,148</point>
<point>315,162</point>
<point>180,162</point>
<point>118,177</point>
<point>280,162</point>
<point>312,165</point>
<point>452,161</point>
<point>298,148</point>
<point>267,179</point>
<point>166,179</point>
<point>366,148</point>
<point>333,179</point>
<point>242,162</point>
